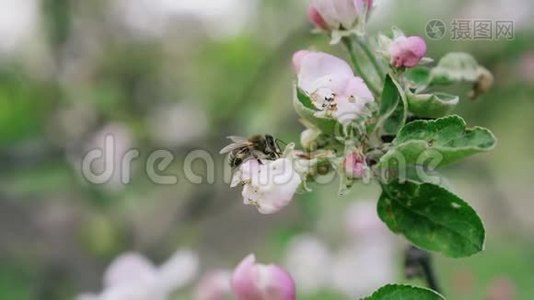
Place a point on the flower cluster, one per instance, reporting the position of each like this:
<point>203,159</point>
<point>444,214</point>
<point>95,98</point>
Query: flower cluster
<point>380,117</point>
<point>132,277</point>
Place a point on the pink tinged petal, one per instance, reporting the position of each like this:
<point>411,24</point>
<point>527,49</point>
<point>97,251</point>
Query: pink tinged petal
<point>297,59</point>
<point>316,19</point>
<point>243,283</point>
<point>130,269</point>
<point>339,14</point>
<point>347,13</point>
<point>327,11</point>
<point>251,281</point>
<point>276,283</point>
<point>363,5</point>
<point>357,88</point>
<point>407,51</point>
<point>246,171</point>
<point>316,66</point>
<point>352,102</point>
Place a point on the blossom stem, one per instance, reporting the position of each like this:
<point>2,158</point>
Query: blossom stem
<point>348,43</point>
<point>365,46</point>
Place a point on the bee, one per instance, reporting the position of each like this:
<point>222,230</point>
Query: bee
<point>257,147</point>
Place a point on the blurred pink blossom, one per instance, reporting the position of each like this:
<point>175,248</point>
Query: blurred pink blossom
<point>252,281</point>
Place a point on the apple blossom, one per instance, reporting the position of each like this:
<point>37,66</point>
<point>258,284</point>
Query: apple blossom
<point>268,185</point>
<point>252,281</point>
<point>407,51</point>
<point>339,17</point>
<point>332,86</point>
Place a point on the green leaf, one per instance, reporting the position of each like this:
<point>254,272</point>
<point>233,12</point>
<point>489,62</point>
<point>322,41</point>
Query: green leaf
<point>432,218</point>
<point>442,141</point>
<point>431,105</point>
<point>404,292</point>
<point>306,110</point>
<point>393,108</point>
<point>419,77</point>
<point>456,67</point>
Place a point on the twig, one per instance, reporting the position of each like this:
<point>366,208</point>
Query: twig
<point>418,263</point>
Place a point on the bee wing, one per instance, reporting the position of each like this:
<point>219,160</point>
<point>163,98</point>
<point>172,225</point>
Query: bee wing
<point>230,148</point>
<point>238,139</point>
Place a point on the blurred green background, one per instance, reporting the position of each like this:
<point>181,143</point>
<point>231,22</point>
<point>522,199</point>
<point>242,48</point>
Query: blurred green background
<point>182,75</point>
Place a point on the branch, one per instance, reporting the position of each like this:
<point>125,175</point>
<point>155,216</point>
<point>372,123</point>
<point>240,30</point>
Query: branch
<point>418,264</point>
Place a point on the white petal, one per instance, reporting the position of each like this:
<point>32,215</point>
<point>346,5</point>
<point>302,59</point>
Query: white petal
<point>178,271</point>
<point>271,186</point>
<point>321,66</point>
<point>128,269</point>
<point>347,13</point>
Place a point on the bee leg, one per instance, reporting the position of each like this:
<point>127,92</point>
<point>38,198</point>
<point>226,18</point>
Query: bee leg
<point>257,158</point>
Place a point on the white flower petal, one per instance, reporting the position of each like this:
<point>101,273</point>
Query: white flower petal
<point>178,271</point>
<point>317,66</point>
<point>128,269</point>
<point>270,186</point>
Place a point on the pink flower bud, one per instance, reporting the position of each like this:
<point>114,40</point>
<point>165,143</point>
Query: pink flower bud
<point>355,165</point>
<point>317,19</point>
<point>252,281</point>
<point>342,17</point>
<point>407,51</point>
